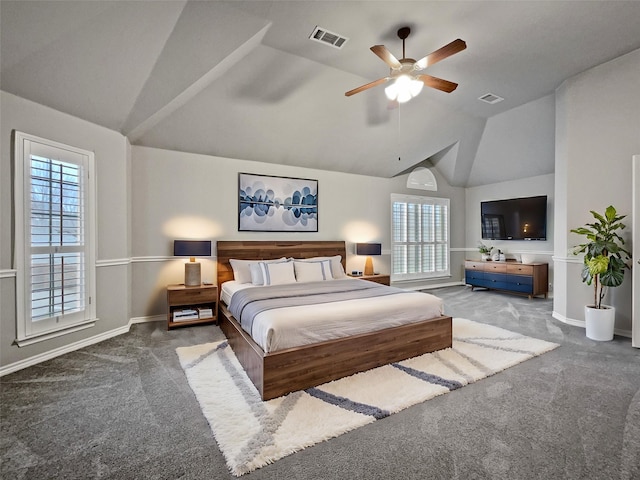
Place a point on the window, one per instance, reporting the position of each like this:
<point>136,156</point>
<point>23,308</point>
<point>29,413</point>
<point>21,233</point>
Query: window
<point>419,237</point>
<point>55,236</point>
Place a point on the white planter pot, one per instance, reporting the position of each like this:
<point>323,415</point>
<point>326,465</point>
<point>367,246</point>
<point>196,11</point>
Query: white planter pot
<point>600,322</point>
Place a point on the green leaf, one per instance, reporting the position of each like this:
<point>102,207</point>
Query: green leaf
<point>613,277</point>
<point>597,265</point>
<point>598,216</point>
<point>586,275</point>
<point>610,213</point>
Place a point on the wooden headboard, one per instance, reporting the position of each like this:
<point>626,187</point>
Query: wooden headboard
<point>272,249</point>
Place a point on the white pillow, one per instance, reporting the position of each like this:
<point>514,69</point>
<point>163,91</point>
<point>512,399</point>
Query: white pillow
<point>337,270</point>
<point>256,274</point>
<point>241,269</point>
<point>257,278</point>
<point>278,273</point>
<point>313,271</point>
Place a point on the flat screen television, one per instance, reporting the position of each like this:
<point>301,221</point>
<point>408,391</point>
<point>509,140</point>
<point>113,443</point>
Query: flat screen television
<point>515,219</point>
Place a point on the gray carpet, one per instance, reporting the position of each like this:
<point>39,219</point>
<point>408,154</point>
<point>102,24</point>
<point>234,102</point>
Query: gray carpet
<point>122,409</point>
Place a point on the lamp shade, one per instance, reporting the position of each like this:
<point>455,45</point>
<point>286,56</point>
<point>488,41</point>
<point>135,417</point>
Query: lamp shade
<point>192,248</point>
<point>368,249</point>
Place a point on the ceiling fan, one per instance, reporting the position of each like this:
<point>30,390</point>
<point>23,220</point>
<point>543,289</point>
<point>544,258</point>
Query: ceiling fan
<point>408,82</point>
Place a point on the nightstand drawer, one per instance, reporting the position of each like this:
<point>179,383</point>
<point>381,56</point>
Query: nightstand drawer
<point>196,295</point>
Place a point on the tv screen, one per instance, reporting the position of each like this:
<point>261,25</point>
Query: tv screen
<point>515,219</point>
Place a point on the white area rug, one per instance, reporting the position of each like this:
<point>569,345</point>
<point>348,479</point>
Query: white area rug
<point>252,433</point>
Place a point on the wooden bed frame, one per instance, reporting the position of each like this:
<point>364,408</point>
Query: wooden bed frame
<point>277,373</point>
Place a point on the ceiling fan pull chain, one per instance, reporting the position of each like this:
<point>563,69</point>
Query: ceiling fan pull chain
<point>399,142</point>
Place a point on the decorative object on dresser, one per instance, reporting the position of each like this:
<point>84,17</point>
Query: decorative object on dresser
<point>192,248</point>
<point>253,433</point>
<point>368,249</point>
<point>525,279</point>
<point>484,250</point>
<point>277,204</point>
<point>191,305</point>
<point>605,260</point>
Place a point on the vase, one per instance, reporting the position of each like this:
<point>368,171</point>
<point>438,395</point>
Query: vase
<point>600,322</point>
<point>484,256</point>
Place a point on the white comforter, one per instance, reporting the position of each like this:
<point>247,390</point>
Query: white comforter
<point>289,327</point>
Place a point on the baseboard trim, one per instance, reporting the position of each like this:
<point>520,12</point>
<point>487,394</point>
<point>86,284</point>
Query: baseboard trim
<point>581,324</point>
<point>150,318</point>
<point>426,286</point>
<point>72,347</point>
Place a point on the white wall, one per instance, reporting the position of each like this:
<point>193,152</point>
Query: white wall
<point>112,275</point>
<point>598,132</point>
<point>525,133</point>
<point>526,187</point>
<point>182,195</point>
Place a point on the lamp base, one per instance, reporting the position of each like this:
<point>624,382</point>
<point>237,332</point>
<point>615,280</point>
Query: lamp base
<point>192,274</point>
<point>368,266</point>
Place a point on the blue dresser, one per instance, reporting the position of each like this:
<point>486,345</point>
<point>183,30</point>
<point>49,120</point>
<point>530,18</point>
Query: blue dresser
<point>531,279</point>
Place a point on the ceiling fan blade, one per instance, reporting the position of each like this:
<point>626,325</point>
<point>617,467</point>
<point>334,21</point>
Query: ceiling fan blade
<point>386,56</point>
<point>440,54</point>
<point>362,88</point>
<point>438,83</point>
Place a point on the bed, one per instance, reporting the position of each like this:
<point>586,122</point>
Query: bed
<point>275,373</point>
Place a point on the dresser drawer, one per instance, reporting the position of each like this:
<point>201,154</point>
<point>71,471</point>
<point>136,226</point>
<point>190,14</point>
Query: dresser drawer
<point>520,283</point>
<point>520,269</point>
<point>474,265</point>
<point>473,276</point>
<point>497,267</point>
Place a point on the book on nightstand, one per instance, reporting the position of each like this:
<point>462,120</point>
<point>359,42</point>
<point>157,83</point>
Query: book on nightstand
<point>204,312</point>
<point>184,315</point>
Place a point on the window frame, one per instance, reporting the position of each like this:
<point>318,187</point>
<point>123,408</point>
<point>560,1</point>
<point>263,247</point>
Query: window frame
<point>28,330</point>
<point>421,200</point>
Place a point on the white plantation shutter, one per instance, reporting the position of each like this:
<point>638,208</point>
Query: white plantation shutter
<point>419,237</point>
<point>55,240</point>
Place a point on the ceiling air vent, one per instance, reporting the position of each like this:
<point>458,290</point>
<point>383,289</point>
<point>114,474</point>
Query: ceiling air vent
<point>323,35</point>
<point>490,98</point>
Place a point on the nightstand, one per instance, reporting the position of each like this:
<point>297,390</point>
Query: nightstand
<point>181,300</point>
<point>381,279</point>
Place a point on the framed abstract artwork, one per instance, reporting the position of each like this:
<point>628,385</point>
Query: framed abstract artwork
<point>277,204</point>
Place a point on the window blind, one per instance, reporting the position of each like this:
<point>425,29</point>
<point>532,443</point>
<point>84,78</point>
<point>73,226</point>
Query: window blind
<point>420,237</point>
<point>57,238</point>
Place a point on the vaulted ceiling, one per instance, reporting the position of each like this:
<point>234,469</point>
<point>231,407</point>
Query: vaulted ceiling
<point>242,79</point>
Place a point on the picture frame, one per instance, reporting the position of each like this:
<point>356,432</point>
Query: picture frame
<point>268,203</point>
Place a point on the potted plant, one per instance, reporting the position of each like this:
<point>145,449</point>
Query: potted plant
<point>605,260</point>
<point>484,250</point>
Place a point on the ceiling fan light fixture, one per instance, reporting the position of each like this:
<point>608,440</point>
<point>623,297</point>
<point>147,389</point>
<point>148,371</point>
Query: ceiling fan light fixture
<point>403,89</point>
<point>416,87</point>
<point>391,91</point>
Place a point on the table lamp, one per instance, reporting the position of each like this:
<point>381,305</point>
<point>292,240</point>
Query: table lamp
<point>192,248</point>
<point>368,249</point>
